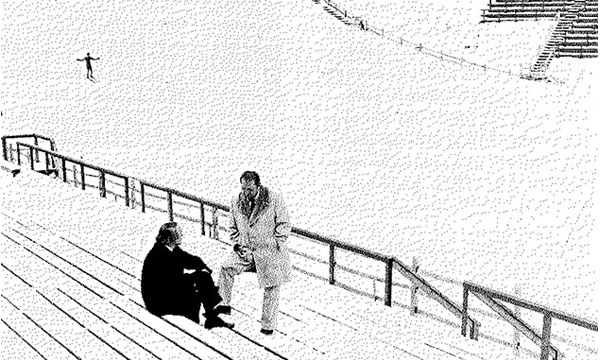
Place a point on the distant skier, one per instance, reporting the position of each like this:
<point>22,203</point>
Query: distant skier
<point>88,60</point>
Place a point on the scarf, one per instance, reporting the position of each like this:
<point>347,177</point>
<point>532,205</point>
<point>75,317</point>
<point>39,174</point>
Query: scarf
<point>261,202</point>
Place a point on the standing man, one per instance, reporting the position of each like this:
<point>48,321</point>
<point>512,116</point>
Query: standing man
<point>88,61</point>
<point>259,228</point>
<point>177,283</point>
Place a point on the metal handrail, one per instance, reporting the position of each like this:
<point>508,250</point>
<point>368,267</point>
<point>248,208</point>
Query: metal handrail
<point>489,296</point>
<point>35,137</point>
<point>82,164</point>
<point>334,245</point>
<point>435,294</point>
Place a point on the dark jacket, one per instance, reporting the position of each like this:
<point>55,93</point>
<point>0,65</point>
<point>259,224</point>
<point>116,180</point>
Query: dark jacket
<point>165,288</point>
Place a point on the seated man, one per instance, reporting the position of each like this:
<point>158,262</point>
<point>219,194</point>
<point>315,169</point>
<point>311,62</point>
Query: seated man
<point>176,282</point>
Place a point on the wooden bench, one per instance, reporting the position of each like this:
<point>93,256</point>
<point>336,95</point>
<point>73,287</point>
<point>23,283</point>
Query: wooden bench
<point>92,293</point>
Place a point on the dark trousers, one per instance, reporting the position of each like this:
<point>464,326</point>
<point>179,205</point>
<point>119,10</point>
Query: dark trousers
<point>201,290</point>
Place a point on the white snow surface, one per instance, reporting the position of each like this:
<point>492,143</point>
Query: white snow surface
<point>481,175</point>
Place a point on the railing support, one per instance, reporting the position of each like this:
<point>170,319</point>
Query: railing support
<point>18,154</point>
<point>143,195</point>
<point>203,231</point>
<point>75,179</point>
<point>127,192</point>
<point>37,154</point>
<point>64,169</point>
<point>170,205</point>
<point>388,281</point>
<point>331,264</point>
<point>546,331</point>
<point>465,315</point>
<point>31,159</point>
<point>102,184</point>
<point>82,176</point>
<point>414,304</point>
<point>215,224</point>
<point>4,150</point>
<point>47,160</point>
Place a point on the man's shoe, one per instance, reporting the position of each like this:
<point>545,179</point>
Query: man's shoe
<point>266,331</point>
<point>216,321</point>
<point>222,309</point>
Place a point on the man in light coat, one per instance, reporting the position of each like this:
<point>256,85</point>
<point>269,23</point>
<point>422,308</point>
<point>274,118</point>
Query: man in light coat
<point>259,227</point>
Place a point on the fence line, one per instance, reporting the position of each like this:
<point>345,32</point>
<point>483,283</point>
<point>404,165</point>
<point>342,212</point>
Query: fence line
<point>419,46</point>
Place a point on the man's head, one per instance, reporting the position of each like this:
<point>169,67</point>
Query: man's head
<point>88,54</point>
<point>250,183</point>
<point>169,234</point>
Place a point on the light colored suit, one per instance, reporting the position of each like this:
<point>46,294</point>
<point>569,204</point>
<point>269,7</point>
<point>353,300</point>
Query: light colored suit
<point>264,233</point>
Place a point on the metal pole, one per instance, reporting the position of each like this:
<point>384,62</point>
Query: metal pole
<point>388,281</point>
<point>31,158</point>
<point>18,154</point>
<point>143,194</point>
<point>414,305</point>
<point>102,184</point>
<point>546,336</point>
<point>47,162</point>
<point>517,333</point>
<point>37,154</point>
<point>75,180</point>
<point>202,218</point>
<point>170,201</point>
<point>215,224</point>
<point>53,149</point>
<point>4,150</point>
<point>132,194</point>
<point>463,329</point>
<point>127,192</point>
<point>82,176</point>
<point>331,264</point>
<point>64,169</point>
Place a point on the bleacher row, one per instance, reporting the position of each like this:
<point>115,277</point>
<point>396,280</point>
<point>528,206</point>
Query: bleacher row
<point>578,39</point>
<point>71,291</point>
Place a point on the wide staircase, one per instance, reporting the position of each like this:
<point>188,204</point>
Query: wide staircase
<point>575,34</point>
<point>71,267</point>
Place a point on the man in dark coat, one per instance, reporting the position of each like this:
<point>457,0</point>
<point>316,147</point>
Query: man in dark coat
<point>177,283</point>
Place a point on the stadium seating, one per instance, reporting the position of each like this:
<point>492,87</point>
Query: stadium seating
<point>579,37</point>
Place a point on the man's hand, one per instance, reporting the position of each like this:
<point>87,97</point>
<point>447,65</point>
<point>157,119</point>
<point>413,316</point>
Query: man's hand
<point>242,251</point>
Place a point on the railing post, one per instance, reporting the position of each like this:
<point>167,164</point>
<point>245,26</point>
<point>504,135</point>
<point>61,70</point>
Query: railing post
<point>203,231</point>
<point>102,184</point>
<point>82,176</point>
<point>143,195</point>
<point>18,153</point>
<point>127,192</point>
<point>331,264</point>
<point>10,153</point>
<point>414,305</point>
<point>170,205</point>
<point>47,161</point>
<point>132,194</point>
<point>215,224</point>
<point>388,281</point>
<point>463,329</point>
<point>546,336</point>
<point>37,154</point>
<point>31,159</point>
<point>517,333</point>
<point>53,148</point>
<point>4,149</point>
<point>75,179</point>
<point>64,169</point>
